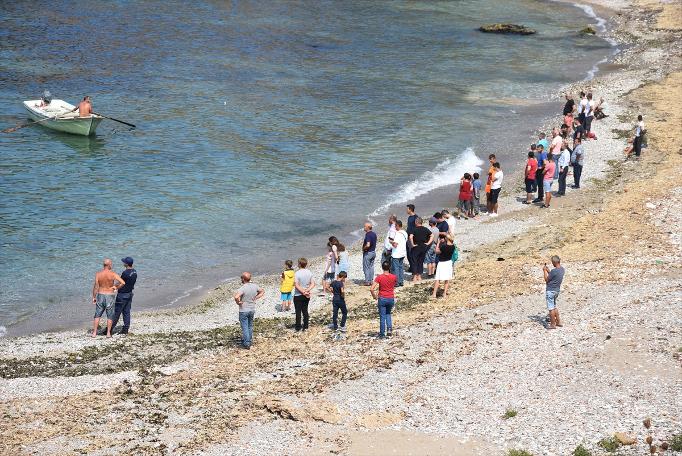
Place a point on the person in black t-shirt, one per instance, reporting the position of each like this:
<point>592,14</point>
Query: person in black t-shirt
<point>411,217</point>
<point>578,131</point>
<point>124,298</point>
<point>338,287</point>
<point>421,239</point>
<point>444,249</point>
<point>570,104</point>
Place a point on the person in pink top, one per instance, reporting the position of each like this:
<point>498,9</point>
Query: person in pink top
<point>548,178</point>
<point>531,171</point>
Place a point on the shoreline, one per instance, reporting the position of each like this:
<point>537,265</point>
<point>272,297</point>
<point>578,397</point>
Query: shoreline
<point>476,331</point>
<point>206,290</point>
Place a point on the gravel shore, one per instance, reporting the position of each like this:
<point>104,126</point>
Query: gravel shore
<point>474,374</point>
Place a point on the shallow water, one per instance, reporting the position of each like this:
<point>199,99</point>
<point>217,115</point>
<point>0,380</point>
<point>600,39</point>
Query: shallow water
<point>263,127</point>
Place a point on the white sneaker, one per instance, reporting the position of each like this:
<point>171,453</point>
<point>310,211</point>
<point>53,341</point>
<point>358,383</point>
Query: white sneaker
<point>493,215</point>
<point>330,326</point>
<point>342,329</point>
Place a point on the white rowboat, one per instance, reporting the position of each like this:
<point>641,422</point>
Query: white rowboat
<point>61,117</point>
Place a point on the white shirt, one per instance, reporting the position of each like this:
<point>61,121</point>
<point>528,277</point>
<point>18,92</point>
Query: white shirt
<point>639,128</point>
<point>555,148</point>
<point>497,180</point>
<point>390,234</point>
<point>590,108</point>
<point>451,225</point>
<point>564,158</point>
<point>582,107</point>
<point>400,251</point>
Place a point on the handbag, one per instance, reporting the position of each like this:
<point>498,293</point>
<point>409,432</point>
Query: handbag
<point>455,254</point>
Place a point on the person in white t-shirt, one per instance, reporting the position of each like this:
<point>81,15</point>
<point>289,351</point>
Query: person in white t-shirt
<point>390,234</point>
<point>496,187</point>
<point>399,252</point>
<point>589,115</point>
<point>582,108</point>
<point>639,136</point>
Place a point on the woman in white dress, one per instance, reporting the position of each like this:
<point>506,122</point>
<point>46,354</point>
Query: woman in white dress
<point>444,249</point>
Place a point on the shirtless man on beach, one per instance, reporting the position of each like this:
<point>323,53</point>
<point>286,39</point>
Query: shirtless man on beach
<point>107,283</point>
<point>84,108</point>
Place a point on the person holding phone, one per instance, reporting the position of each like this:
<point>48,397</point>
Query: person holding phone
<point>553,279</point>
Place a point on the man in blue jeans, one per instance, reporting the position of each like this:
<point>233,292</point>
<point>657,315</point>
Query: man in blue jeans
<point>369,246</point>
<point>383,289</point>
<point>124,298</point>
<point>553,280</point>
<point>246,298</point>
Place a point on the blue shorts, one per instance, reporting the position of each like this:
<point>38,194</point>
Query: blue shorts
<point>329,276</point>
<point>547,186</point>
<point>286,296</point>
<point>551,297</point>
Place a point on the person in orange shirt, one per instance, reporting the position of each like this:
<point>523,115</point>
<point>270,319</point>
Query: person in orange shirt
<point>491,171</point>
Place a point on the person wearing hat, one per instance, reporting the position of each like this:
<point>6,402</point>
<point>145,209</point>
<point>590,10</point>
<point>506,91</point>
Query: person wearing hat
<point>124,298</point>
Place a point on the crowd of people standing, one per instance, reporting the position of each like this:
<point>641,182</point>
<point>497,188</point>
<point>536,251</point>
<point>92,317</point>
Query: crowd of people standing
<point>425,244</point>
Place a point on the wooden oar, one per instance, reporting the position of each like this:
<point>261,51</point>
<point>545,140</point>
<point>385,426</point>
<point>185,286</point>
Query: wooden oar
<point>18,127</point>
<point>115,120</point>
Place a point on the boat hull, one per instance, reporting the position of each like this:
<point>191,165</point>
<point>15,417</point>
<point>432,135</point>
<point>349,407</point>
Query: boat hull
<point>84,126</point>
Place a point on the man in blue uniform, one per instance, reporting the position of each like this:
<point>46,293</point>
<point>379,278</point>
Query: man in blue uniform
<point>124,298</point>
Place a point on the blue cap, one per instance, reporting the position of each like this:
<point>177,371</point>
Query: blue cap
<point>127,260</point>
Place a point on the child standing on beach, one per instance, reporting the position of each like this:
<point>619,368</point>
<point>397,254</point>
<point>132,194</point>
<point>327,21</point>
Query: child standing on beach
<point>338,287</point>
<point>476,194</point>
<point>287,285</point>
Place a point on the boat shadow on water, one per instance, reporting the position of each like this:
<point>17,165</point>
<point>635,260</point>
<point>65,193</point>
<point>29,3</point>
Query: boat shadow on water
<point>82,144</point>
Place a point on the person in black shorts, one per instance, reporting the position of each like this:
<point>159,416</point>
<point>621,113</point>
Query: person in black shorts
<point>495,187</point>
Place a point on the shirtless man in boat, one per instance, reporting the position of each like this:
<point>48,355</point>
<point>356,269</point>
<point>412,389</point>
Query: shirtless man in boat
<point>84,108</point>
<point>107,283</point>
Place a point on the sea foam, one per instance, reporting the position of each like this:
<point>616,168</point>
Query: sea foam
<point>601,26</point>
<point>448,172</point>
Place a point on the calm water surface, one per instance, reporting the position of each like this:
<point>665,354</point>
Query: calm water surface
<point>262,128</point>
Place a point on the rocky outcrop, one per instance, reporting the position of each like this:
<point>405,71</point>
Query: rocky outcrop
<point>507,28</point>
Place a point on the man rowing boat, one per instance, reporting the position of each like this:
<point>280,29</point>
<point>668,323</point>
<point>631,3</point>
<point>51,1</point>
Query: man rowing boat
<point>84,108</point>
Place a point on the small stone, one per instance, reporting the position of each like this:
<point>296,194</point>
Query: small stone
<point>624,439</point>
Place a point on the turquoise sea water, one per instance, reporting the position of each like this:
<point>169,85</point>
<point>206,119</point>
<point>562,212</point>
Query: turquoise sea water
<point>263,127</point>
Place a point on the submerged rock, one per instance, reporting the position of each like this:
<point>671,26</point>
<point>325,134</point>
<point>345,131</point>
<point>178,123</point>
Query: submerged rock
<point>506,28</point>
<point>589,30</point>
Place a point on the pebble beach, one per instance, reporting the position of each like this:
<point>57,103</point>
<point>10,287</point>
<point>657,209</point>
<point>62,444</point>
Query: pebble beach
<point>473,374</point>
